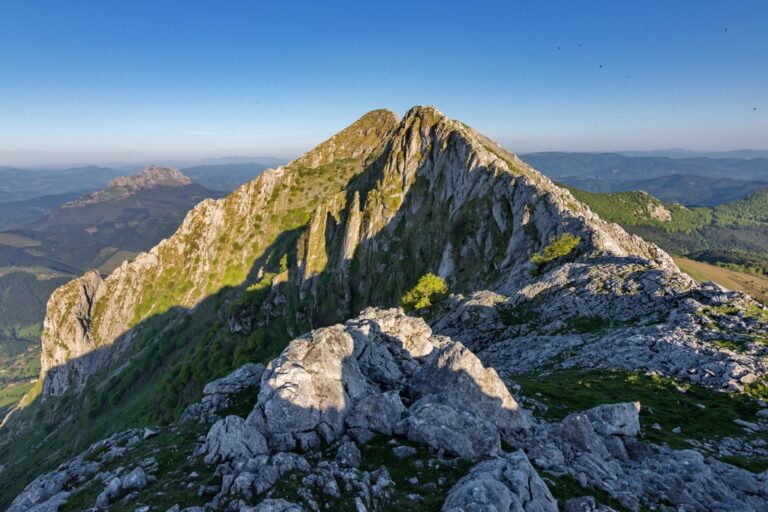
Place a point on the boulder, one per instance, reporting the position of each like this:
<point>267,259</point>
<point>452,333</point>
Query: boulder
<point>246,376</point>
<point>348,455</point>
<point>458,378</point>
<point>616,419</point>
<point>231,439</point>
<point>504,484</point>
<point>442,427</point>
<point>136,480</point>
<point>377,413</point>
<point>218,394</point>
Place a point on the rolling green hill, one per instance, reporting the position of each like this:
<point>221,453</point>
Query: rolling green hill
<point>733,235</point>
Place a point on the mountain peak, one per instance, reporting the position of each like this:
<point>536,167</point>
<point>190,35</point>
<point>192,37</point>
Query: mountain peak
<point>151,177</point>
<point>154,176</point>
<point>355,141</point>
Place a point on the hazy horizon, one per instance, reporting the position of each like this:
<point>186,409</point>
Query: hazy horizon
<point>190,161</point>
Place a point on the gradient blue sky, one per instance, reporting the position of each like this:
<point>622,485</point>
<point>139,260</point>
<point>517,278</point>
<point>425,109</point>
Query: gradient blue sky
<point>105,81</point>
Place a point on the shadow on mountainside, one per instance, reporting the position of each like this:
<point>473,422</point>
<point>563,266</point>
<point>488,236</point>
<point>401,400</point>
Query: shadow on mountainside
<point>161,364</point>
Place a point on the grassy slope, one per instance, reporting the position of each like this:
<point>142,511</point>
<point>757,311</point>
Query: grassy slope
<point>733,235</point>
<point>754,285</point>
<point>701,413</point>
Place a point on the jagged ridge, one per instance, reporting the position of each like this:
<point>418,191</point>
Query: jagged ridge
<point>426,177</point>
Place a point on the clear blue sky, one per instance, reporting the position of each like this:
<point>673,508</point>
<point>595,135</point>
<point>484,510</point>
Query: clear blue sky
<point>109,80</point>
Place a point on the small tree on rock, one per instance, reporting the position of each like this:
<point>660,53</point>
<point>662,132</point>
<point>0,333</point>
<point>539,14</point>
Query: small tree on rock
<point>429,291</point>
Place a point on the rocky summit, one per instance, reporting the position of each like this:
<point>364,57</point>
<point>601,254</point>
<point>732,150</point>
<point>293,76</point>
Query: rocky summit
<point>122,187</point>
<point>256,359</point>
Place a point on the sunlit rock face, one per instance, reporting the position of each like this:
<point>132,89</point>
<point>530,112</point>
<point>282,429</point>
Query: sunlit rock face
<point>341,377</point>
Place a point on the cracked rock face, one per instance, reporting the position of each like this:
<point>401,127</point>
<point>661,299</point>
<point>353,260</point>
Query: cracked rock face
<point>504,484</point>
<point>357,375</point>
<point>230,439</point>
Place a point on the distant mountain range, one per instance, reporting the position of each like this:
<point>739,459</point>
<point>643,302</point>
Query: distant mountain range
<point>57,237</point>
<point>691,181</point>
<point>27,195</point>
<point>687,153</point>
<point>20,184</point>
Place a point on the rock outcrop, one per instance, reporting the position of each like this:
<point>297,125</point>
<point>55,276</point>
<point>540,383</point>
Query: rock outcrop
<point>384,373</point>
<point>354,377</point>
<point>503,484</point>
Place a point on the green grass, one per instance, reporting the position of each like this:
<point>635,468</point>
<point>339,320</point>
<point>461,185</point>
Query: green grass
<point>520,314</point>
<point>733,235</point>
<point>379,452</point>
<point>587,324</point>
<point>571,390</point>
<point>11,394</point>
<point>172,451</point>
<point>635,208</point>
<point>730,345</point>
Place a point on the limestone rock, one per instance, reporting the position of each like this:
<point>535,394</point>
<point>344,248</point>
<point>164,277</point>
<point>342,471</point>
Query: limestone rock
<point>218,394</point>
<point>458,378</point>
<point>612,419</point>
<point>275,505</point>
<point>377,413</point>
<point>333,379</point>
<point>230,439</point>
<point>507,483</point>
<point>442,427</point>
<point>348,455</point>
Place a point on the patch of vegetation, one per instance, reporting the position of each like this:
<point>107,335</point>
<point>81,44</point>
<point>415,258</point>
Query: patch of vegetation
<point>430,291</point>
<point>730,345</point>
<point>379,452</point>
<point>520,314</point>
<point>588,324</point>
<point>435,478</point>
<point>701,413</point>
<point>733,236</point>
<point>558,247</point>
<point>255,293</point>
<point>757,389</point>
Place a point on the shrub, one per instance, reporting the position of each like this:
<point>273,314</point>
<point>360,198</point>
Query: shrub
<point>558,247</point>
<point>429,291</point>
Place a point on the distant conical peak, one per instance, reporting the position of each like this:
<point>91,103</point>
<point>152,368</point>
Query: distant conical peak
<point>153,176</point>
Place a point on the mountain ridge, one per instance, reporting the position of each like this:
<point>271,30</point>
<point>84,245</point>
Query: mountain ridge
<point>283,271</point>
<point>397,176</point>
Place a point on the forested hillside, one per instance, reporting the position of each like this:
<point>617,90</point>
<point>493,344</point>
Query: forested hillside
<point>733,235</point>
